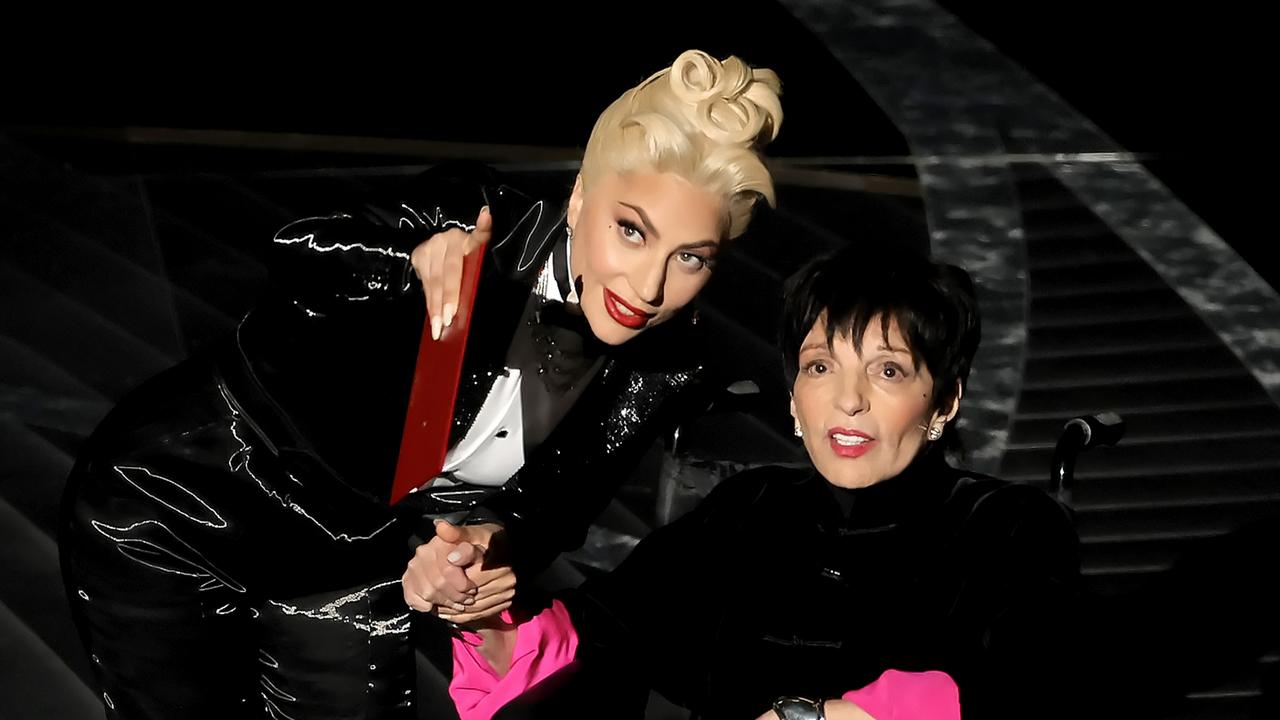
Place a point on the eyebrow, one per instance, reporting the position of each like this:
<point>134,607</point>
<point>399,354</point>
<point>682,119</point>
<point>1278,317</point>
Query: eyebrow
<point>894,350</point>
<point>644,219</point>
<point>713,244</point>
<point>883,348</point>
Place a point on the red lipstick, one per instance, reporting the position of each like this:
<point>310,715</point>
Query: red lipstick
<point>624,313</point>
<point>851,443</point>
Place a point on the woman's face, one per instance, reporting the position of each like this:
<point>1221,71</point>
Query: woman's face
<point>643,245</point>
<point>864,411</point>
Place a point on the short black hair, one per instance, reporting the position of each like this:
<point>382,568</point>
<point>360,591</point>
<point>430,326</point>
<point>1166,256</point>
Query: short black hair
<point>933,303</point>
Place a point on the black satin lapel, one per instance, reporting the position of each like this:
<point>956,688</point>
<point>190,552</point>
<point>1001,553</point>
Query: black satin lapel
<point>499,304</point>
<point>524,235</point>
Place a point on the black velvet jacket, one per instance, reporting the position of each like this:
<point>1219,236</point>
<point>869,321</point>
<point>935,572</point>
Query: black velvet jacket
<point>226,541</point>
<point>770,588</point>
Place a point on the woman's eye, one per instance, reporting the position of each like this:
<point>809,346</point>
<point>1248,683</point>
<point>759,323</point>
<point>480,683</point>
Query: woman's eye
<point>892,371</point>
<point>692,261</point>
<point>630,232</point>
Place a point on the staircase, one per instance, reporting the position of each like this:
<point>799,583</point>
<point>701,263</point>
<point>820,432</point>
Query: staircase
<point>1201,452</point>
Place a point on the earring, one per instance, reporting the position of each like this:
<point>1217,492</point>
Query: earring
<point>568,233</point>
<point>799,432</point>
<point>935,432</point>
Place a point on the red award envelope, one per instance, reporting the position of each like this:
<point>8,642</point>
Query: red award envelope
<point>435,389</point>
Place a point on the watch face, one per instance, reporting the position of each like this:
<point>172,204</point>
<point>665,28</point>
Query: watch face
<point>795,708</point>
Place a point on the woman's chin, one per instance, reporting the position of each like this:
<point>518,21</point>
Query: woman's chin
<point>609,331</point>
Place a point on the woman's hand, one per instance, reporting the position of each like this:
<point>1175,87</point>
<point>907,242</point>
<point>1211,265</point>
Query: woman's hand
<point>494,581</point>
<point>436,576</point>
<point>448,575</point>
<point>438,262</point>
<point>495,589</point>
<point>430,580</point>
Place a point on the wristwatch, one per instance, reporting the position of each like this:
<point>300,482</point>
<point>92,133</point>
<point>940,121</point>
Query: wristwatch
<point>790,707</point>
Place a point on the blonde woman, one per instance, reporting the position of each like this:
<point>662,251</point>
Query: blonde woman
<point>227,544</point>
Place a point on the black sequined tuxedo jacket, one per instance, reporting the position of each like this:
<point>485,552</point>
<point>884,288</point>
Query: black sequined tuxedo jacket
<point>226,541</point>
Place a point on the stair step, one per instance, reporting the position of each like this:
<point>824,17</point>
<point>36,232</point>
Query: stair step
<point>1187,485</point>
<point>1165,522</point>
<point>36,684</point>
<point>1128,557</point>
<point>1172,375</point>
<point>82,268</point>
<point>1259,418</point>
<point>31,592</point>
<point>1036,185</point>
<point>1216,708</point>
<point>35,390</point>
<point>1190,437</point>
<point>1115,369</point>
<point>32,475</point>
<point>144,300</point>
<point>1209,486</point>
<point>105,356</point>
<point>1123,305</point>
<point>1065,285</point>
<point>1065,210</point>
<point>226,206</point>
<point>1042,230</point>
<point>1084,255</point>
<point>1135,397</point>
<point>1158,335</point>
<point>1190,343</point>
<point>1059,277</point>
<point>220,276</point>
<point>318,192</point>
<point>1089,312</point>
<point>1154,458</point>
<point>110,208</point>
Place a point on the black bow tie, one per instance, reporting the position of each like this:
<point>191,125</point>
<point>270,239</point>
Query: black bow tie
<point>554,314</point>
<point>565,344</point>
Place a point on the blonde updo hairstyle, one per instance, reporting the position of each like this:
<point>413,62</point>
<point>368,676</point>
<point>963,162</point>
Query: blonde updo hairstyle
<point>703,119</point>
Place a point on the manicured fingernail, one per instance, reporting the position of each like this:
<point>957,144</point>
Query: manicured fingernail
<point>469,601</point>
<point>435,327</point>
<point>454,556</point>
<point>459,607</point>
<point>449,310</point>
<point>484,210</point>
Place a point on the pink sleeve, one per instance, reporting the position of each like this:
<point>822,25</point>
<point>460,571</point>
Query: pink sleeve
<point>544,644</point>
<point>898,695</point>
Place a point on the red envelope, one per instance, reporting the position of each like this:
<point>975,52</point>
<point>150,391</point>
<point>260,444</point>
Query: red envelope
<point>435,390</point>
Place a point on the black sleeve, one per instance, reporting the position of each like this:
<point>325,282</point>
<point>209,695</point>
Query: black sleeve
<point>361,254</point>
<point>634,615</point>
